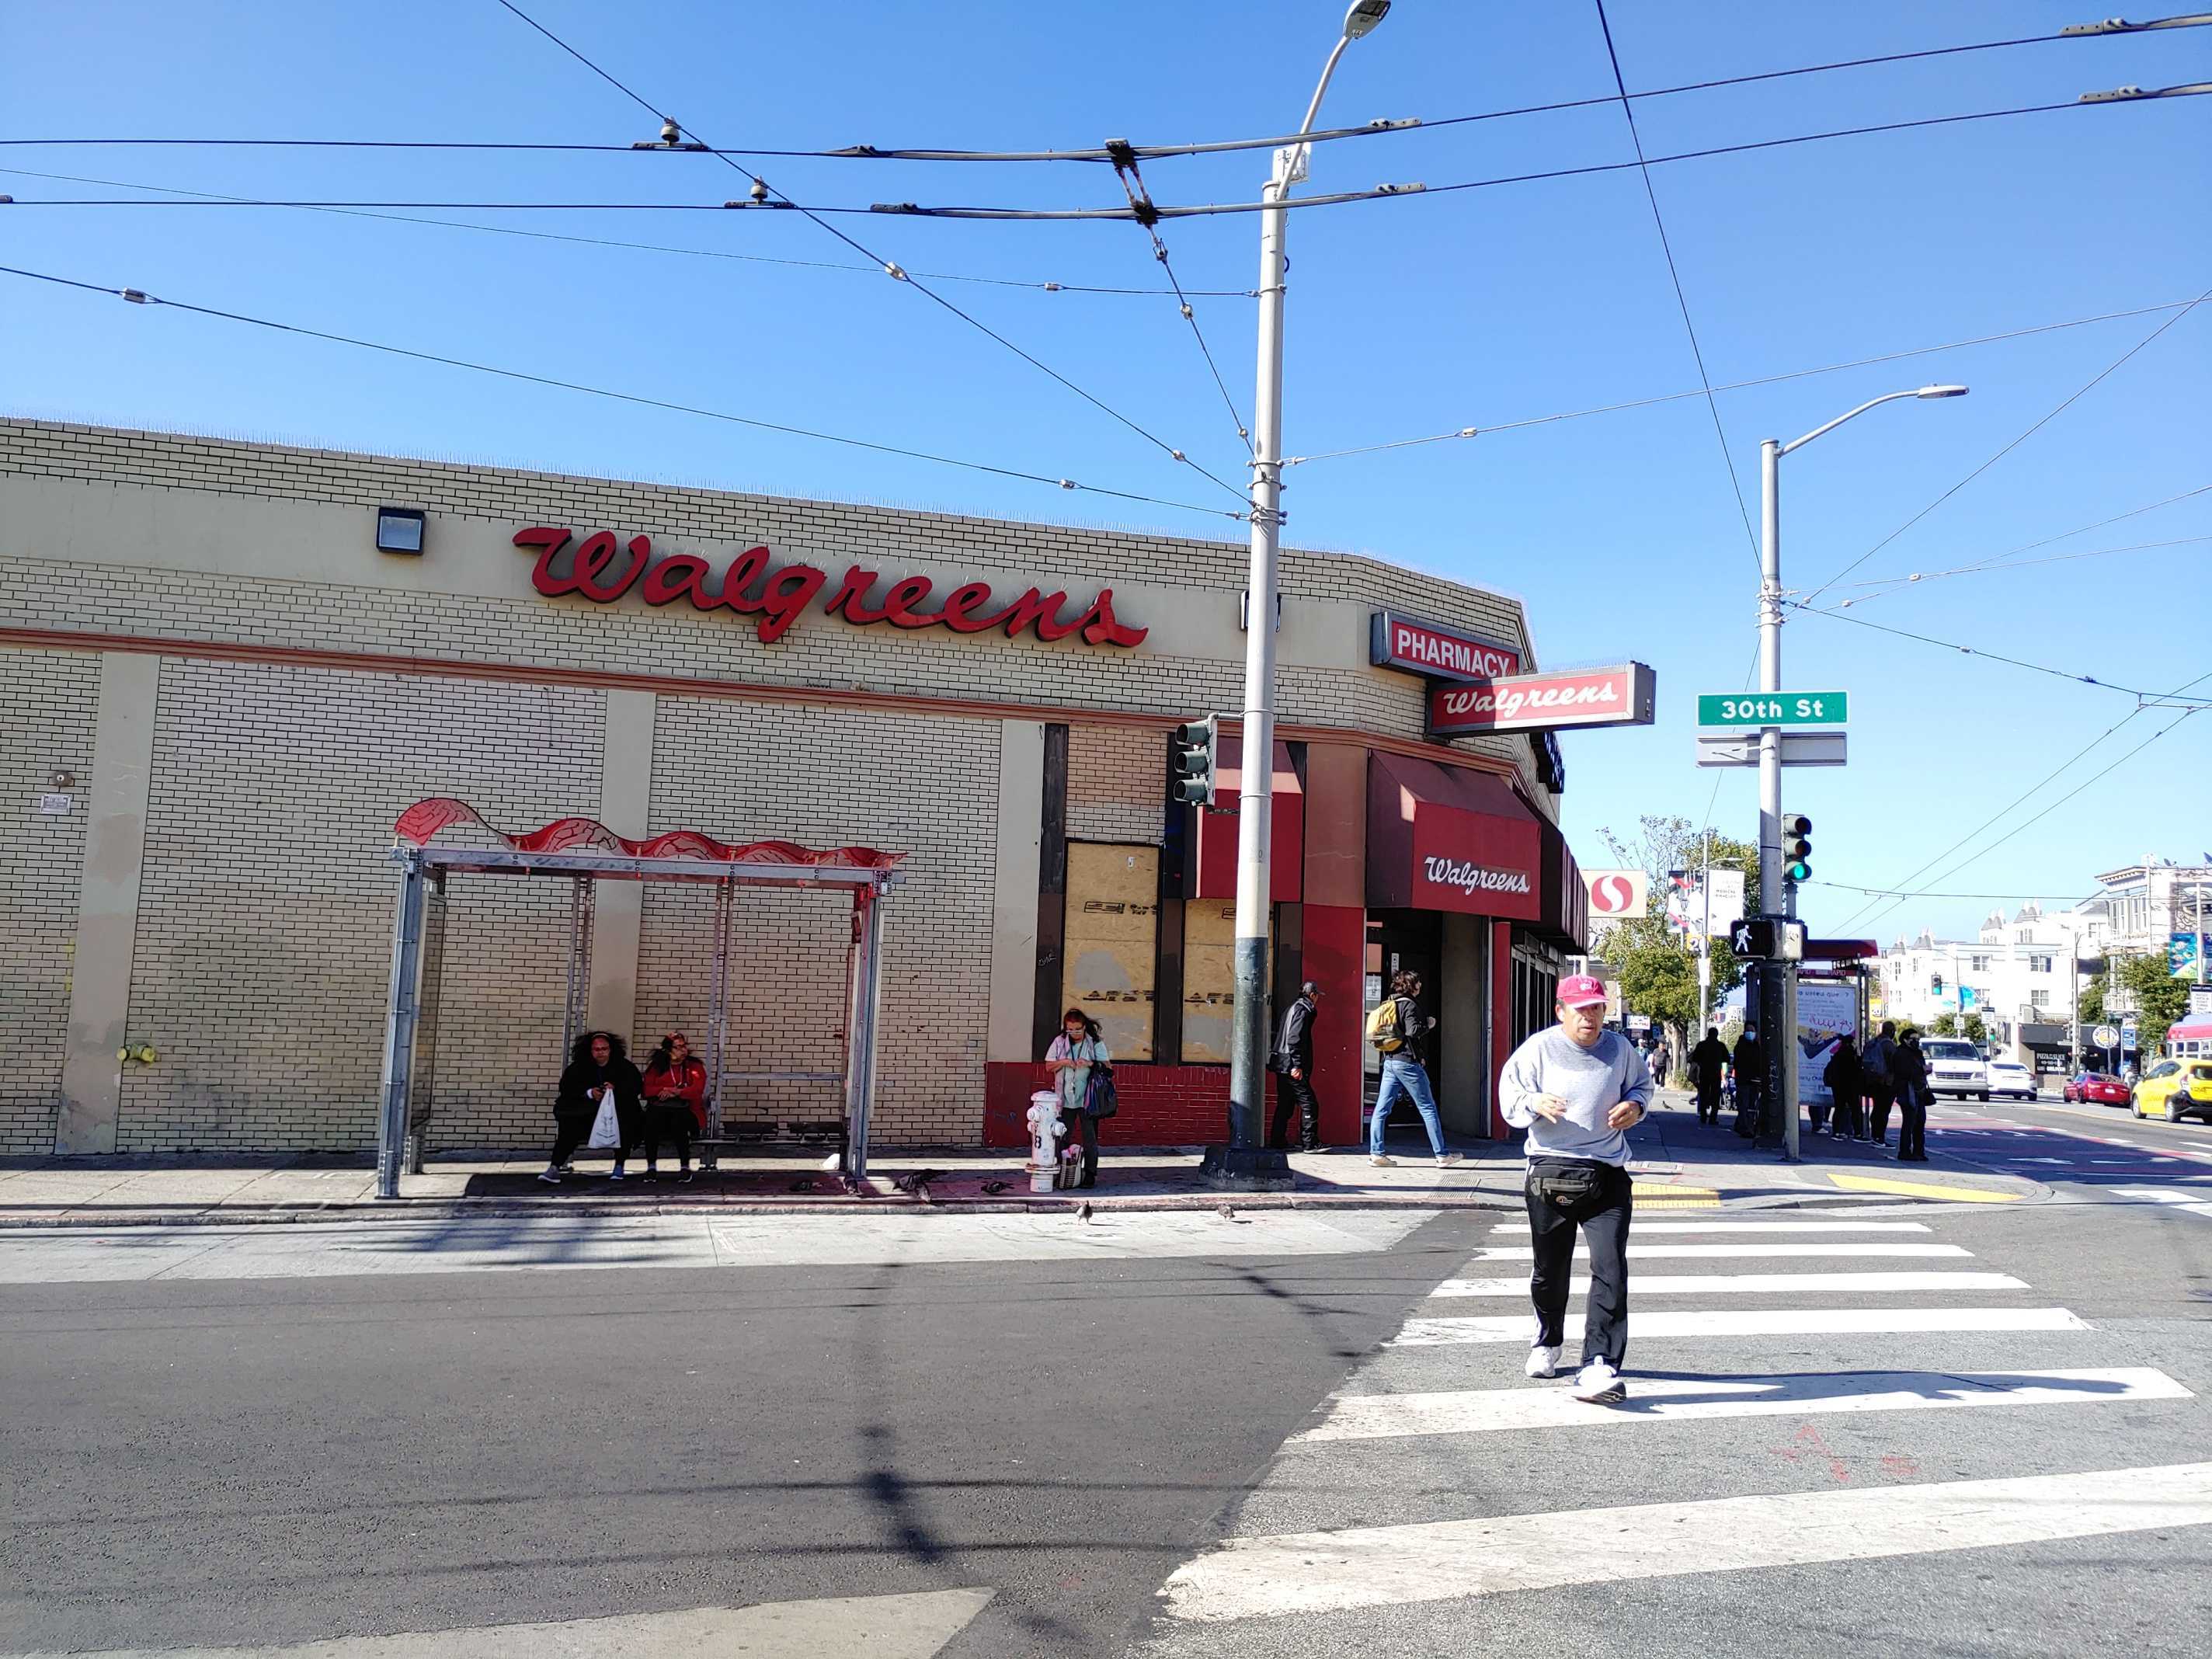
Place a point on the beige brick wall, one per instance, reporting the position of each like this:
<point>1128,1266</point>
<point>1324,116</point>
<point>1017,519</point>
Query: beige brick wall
<point>48,702</point>
<point>833,777</point>
<point>1117,779</point>
<point>265,908</point>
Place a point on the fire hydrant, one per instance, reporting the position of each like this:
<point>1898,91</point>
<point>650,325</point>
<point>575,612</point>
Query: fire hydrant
<point>1045,1132</point>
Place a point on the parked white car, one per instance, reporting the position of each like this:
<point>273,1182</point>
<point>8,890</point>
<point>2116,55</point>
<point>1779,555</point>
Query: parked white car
<point>1955,1066</point>
<point>2009,1078</point>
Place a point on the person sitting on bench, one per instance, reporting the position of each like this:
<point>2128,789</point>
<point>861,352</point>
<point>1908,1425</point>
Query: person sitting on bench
<point>675,1102</point>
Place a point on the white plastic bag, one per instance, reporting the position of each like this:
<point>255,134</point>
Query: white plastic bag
<point>607,1128</point>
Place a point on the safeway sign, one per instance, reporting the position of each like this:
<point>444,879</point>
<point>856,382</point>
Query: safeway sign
<point>1621,696</point>
<point>1616,895</point>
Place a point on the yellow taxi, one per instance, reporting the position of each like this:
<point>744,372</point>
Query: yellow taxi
<point>2174,1090</point>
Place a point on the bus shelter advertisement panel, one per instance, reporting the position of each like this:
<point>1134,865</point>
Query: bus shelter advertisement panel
<point>1825,1015</point>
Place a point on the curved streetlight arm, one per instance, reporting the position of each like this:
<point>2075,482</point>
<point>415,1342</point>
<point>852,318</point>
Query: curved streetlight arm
<point>1822,431</point>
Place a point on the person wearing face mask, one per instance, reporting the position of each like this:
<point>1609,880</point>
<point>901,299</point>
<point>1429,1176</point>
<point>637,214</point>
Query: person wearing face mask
<point>1577,1089</point>
<point>1078,1048</point>
<point>675,1103</point>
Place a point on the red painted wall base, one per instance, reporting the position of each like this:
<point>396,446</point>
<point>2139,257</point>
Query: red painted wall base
<point>1161,1105</point>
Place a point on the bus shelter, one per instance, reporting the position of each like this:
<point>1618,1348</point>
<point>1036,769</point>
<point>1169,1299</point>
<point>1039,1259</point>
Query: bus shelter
<point>583,853</point>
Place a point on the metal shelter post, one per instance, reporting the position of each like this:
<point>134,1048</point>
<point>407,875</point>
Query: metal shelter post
<point>577,1011</point>
<point>430,982</point>
<point>860,1026</point>
<point>718,1020</point>
<point>399,1026</point>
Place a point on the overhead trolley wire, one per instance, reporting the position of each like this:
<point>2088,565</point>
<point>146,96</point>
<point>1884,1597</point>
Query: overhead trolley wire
<point>2072,794</point>
<point>2044,782</point>
<point>138,296</point>
<point>762,189</point>
<point>1740,385</point>
<point>2149,699</point>
<point>2063,404</point>
<point>1675,276</point>
<point>2109,26</point>
<point>1046,286</point>
<point>1132,186</point>
<point>1898,584</point>
<point>1381,192</point>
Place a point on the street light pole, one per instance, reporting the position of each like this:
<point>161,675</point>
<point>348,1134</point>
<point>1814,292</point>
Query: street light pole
<point>1778,981</point>
<point>1256,766</point>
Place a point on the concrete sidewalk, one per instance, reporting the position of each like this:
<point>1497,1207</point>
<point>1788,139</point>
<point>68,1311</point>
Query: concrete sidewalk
<point>1678,1165</point>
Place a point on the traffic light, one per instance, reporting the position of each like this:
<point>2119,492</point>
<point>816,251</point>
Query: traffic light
<point>1194,764</point>
<point>1796,848</point>
<point>1936,985</point>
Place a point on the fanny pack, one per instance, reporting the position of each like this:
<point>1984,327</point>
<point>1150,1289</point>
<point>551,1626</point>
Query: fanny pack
<point>1568,1186</point>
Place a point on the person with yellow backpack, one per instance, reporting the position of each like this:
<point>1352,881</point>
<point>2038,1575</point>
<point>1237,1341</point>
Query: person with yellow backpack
<point>1398,1031</point>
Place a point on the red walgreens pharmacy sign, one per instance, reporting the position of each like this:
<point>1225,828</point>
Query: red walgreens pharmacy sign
<point>1440,653</point>
<point>1534,703</point>
<point>602,570</point>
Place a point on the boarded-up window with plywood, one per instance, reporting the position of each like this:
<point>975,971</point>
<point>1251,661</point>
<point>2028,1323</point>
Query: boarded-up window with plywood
<point>1113,934</point>
<point>1209,980</point>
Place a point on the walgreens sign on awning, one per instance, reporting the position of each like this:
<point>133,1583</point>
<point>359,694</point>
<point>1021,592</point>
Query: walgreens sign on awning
<point>1620,695</point>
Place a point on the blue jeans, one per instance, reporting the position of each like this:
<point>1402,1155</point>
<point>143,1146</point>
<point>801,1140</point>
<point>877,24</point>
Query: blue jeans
<point>1408,1078</point>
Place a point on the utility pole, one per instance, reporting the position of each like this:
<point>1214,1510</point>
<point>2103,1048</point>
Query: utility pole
<point>1777,981</point>
<point>1245,1160</point>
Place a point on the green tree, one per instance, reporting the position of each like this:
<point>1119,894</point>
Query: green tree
<point>1943,1025</point>
<point>1656,963</point>
<point>2160,1000</point>
<point>2093,1000</point>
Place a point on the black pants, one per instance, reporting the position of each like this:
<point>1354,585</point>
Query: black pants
<point>570,1131</point>
<point>1879,1093</point>
<point>1086,1128</point>
<point>1604,1223</point>
<point>1709,1101</point>
<point>1851,1114</point>
<point>669,1122</point>
<point>1912,1134</point>
<point>1747,1108</point>
<point>1295,1095</point>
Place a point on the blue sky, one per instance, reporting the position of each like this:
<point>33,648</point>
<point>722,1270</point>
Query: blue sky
<point>1406,317</point>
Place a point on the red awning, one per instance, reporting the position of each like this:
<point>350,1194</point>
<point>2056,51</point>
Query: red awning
<point>1214,836</point>
<point>1446,838</point>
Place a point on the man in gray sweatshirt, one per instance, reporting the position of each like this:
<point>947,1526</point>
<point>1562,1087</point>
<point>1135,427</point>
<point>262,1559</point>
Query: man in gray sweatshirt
<point>1577,1089</point>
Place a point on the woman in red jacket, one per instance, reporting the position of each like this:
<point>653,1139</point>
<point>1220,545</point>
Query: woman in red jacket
<point>675,1102</point>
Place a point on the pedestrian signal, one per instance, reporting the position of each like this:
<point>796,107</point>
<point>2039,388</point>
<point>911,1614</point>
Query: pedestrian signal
<point>1194,762</point>
<point>1768,938</point>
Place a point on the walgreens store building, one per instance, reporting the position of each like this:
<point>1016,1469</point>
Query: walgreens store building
<point>219,694</point>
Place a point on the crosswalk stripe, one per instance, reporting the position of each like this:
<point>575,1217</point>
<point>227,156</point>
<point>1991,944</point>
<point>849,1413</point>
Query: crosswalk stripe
<point>1448,1561</point>
<point>1755,1284</point>
<point>1734,1227</point>
<point>1423,1333</point>
<point>1680,1399</point>
<point>1767,1252</point>
<point>1921,1189</point>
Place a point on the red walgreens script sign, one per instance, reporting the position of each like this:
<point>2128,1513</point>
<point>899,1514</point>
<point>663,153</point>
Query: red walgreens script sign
<point>602,572</point>
<point>1534,703</point>
<point>1438,651</point>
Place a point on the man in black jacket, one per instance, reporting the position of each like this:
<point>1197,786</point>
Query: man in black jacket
<point>1292,1061</point>
<point>1709,1066</point>
<point>1750,1083</point>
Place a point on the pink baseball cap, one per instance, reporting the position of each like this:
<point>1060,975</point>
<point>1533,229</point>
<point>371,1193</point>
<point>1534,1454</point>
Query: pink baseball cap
<point>1580,991</point>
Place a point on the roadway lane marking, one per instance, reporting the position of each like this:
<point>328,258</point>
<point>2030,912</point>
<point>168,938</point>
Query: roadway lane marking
<point>1920,1189</point>
<point>1682,1398</point>
<point>1757,1284</point>
<point>910,1626</point>
<point>1422,1333</point>
<point>2171,1197</point>
<point>1448,1560</point>
<point>1752,1227</point>
<point>1765,1252</point>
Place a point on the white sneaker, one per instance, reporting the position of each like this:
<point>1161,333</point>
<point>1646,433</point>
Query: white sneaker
<point>1446,1160</point>
<point>1600,1384</point>
<point>1542,1361</point>
<point>1380,1161</point>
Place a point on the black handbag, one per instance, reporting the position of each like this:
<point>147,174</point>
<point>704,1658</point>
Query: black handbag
<point>1100,1097</point>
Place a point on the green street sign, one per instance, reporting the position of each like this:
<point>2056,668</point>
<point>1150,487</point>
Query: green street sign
<point>1730,708</point>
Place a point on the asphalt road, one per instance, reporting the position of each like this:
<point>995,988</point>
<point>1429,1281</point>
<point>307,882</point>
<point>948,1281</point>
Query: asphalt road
<point>1863,1428</point>
<point>284,1460</point>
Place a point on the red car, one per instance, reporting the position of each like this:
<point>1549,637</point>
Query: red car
<point>2101,1087</point>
